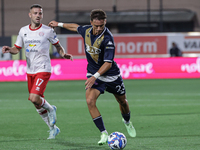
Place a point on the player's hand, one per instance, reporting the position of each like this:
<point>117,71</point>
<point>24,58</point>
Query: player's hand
<point>89,82</point>
<point>6,49</point>
<point>68,56</point>
<point>53,24</point>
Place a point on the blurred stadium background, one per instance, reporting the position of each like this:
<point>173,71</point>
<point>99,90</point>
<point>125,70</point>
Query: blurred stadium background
<point>142,29</point>
<point>124,16</point>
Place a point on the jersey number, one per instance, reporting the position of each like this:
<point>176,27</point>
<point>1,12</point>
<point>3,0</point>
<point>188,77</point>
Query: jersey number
<point>120,88</point>
<point>39,81</point>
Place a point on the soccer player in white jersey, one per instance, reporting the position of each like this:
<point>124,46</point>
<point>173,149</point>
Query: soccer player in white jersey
<point>36,39</point>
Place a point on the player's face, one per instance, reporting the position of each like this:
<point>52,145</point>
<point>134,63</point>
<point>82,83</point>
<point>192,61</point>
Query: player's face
<point>36,15</point>
<point>98,26</point>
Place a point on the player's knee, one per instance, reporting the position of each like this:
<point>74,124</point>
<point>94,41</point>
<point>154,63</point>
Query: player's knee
<point>90,102</point>
<point>123,102</point>
<point>34,98</point>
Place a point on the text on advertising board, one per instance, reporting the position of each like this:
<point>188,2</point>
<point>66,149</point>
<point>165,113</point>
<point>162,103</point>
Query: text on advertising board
<point>125,45</point>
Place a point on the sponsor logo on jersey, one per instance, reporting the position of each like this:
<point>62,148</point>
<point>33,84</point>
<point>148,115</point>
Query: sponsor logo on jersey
<point>94,52</point>
<point>92,49</point>
<point>32,45</point>
<point>109,47</point>
<point>32,50</point>
<point>32,41</point>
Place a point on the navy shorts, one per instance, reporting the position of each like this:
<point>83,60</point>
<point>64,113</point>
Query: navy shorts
<point>115,87</point>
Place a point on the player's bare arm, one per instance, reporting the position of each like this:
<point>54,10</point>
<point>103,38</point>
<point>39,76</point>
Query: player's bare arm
<point>62,53</point>
<point>90,81</point>
<point>12,50</point>
<point>68,26</point>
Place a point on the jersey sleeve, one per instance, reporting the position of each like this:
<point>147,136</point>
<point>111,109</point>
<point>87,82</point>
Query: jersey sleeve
<point>81,31</point>
<point>109,51</point>
<point>19,41</point>
<point>53,37</point>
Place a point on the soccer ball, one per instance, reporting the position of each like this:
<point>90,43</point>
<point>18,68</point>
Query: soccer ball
<point>117,140</point>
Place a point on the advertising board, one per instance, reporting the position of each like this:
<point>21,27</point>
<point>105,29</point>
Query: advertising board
<point>137,68</point>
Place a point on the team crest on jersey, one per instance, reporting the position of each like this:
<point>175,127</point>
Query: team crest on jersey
<point>41,33</point>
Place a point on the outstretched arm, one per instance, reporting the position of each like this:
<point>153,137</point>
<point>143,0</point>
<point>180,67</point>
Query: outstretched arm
<point>68,26</point>
<point>12,50</point>
<point>62,53</point>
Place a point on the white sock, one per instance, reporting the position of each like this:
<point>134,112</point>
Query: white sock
<point>43,113</point>
<point>105,131</point>
<point>46,105</point>
<point>126,122</point>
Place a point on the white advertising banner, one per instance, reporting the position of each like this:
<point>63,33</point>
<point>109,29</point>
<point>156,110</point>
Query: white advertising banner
<point>186,42</point>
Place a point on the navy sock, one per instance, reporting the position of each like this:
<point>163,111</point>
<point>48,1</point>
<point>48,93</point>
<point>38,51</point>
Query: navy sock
<point>127,116</point>
<point>99,123</point>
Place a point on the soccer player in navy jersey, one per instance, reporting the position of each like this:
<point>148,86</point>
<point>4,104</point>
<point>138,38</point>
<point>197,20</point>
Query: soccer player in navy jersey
<point>102,71</point>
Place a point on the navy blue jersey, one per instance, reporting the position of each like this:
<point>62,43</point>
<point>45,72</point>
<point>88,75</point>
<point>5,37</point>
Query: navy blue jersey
<point>99,49</point>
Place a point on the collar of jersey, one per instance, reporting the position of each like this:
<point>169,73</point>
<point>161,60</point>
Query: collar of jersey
<point>36,28</point>
<point>90,31</point>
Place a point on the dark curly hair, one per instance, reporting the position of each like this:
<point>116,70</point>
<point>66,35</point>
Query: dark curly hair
<point>98,14</point>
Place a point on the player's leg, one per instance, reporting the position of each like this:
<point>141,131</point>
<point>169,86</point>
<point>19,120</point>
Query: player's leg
<point>118,89</point>
<point>44,115</point>
<point>53,131</point>
<point>41,111</point>
<point>36,95</point>
<point>37,86</point>
<point>40,102</point>
<point>50,116</point>
<point>124,107</point>
<point>91,98</point>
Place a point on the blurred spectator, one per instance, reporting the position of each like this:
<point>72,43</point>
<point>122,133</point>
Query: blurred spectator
<point>175,51</point>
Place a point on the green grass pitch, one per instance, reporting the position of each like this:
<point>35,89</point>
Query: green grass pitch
<point>165,113</point>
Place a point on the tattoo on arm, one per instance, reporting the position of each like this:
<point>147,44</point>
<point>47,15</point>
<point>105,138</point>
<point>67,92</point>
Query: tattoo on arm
<point>59,49</point>
<point>57,46</point>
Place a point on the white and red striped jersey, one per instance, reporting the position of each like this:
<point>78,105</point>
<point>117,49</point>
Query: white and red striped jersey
<point>36,43</point>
